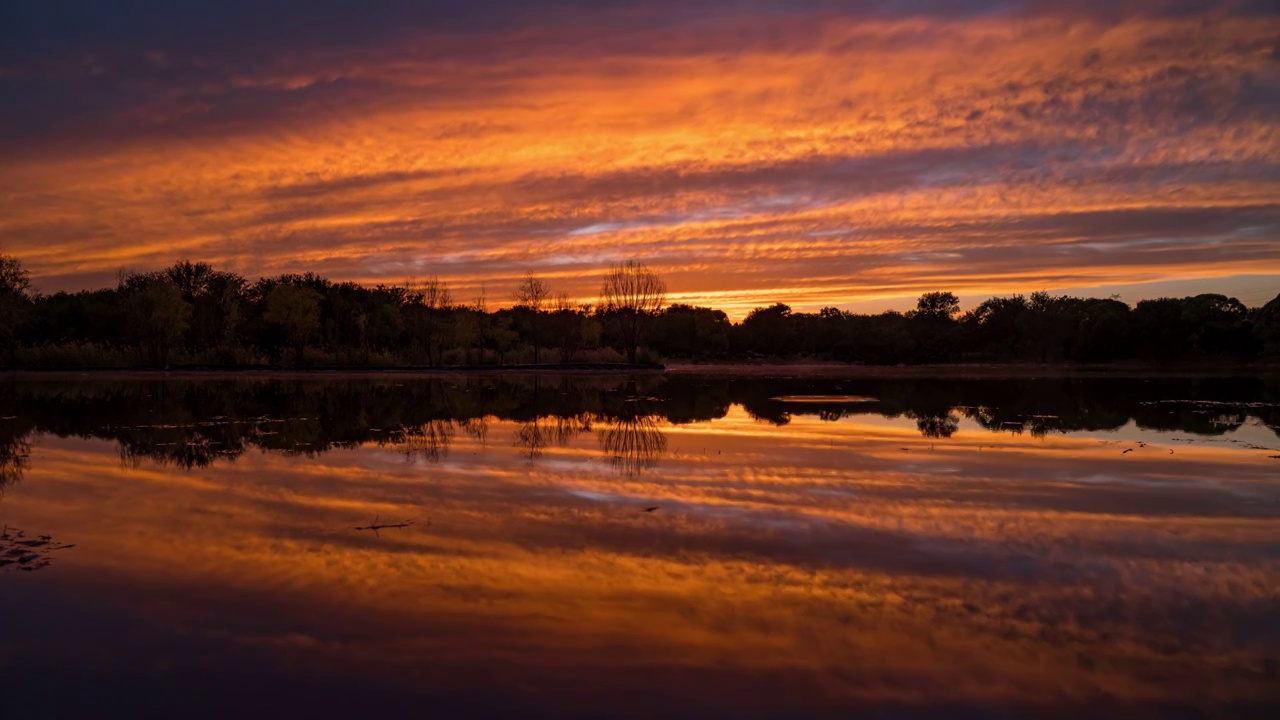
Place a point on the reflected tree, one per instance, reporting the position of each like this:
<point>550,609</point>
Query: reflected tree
<point>429,441</point>
<point>193,424</point>
<point>540,433</point>
<point>477,428</point>
<point>533,437</point>
<point>567,428</point>
<point>15,454</point>
<point>942,425</point>
<point>633,444</point>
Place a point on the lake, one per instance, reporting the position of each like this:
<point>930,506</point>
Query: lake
<point>608,546</point>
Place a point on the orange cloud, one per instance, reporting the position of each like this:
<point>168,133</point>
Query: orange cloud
<point>836,158</point>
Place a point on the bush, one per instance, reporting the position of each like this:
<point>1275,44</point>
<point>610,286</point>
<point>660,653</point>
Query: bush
<point>74,355</point>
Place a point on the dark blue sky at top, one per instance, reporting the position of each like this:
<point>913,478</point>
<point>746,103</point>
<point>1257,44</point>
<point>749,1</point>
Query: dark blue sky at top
<point>68,65</point>
<point>49,30</point>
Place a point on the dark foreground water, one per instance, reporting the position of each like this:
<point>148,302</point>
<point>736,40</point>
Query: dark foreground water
<point>657,547</point>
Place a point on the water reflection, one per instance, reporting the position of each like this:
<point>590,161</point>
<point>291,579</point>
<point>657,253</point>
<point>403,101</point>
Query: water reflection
<point>20,553</point>
<point>633,444</point>
<point>938,551</point>
<point>193,424</point>
<point>941,425</point>
<point>15,452</point>
<point>429,441</point>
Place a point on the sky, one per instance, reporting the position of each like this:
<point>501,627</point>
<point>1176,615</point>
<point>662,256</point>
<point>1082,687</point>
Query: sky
<point>848,154</point>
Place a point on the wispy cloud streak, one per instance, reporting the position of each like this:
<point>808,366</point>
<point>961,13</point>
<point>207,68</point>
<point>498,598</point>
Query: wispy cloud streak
<point>814,154</point>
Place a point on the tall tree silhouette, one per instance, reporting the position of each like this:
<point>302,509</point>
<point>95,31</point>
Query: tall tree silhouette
<point>160,317</point>
<point>631,294</point>
<point>15,302</point>
<point>532,294</point>
<point>296,311</point>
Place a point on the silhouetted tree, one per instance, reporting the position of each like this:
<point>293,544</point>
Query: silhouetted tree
<point>296,311</point>
<point>1102,330</point>
<point>158,315</point>
<point>15,302</point>
<point>217,305</point>
<point>631,293</point>
<point>768,331</point>
<point>474,327</point>
<point>428,307</point>
<point>938,305</point>
<point>935,330</point>
<point>532,294</point>
<point>202,315</point>
<point>575,328</point>
<point>1266,327</point>
<point>691,332</point>
<point>999,326</point>
<point>502,339</point>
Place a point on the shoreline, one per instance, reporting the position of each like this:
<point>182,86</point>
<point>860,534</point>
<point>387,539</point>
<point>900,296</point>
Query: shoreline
<point>966,370</point>
<point>676,369</point>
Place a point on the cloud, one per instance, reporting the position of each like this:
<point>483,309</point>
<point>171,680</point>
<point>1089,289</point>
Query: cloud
<point>828,150</point>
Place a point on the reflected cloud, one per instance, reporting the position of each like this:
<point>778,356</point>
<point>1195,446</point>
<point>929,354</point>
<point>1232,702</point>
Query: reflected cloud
<point>819,550</point>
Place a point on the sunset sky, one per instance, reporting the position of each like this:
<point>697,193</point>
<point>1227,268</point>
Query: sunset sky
<point>816,153</point>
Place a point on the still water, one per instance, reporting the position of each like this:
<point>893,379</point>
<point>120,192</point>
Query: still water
<point>607,546</point>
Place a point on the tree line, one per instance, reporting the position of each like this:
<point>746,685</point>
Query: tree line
<point>192,314</point>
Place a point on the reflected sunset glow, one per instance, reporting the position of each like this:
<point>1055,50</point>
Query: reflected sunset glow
<point>837,561</point>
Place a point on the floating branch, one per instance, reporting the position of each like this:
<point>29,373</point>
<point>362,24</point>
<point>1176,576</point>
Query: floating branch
<point>375,526</point>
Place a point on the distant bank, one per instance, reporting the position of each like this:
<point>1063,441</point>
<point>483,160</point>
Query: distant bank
<point>768,368</point>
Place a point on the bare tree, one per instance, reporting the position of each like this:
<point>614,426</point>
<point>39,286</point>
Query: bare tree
<point>429,305</point>
<point>532,293</point>
<point>484,323</point>
<point>631,293</point>
<point>435,294</point>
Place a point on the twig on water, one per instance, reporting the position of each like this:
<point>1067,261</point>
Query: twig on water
<point>375,526</point>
